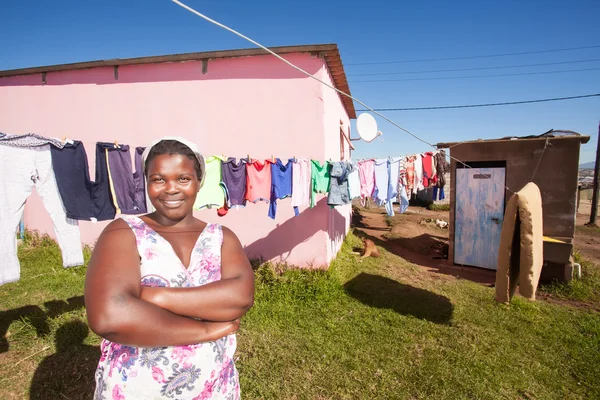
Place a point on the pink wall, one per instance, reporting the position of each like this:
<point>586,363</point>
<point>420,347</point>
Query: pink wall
<point>250,105</point>
<point>334,113</point>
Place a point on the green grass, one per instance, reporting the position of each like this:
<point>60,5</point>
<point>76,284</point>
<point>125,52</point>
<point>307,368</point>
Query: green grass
<point>42,310</point>
<point>588,228</point>
<point>380,329</point>
<point>586,289</point>
<point>439,207</point>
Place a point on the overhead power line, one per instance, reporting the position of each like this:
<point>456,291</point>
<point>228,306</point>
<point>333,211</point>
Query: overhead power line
<point>485,105</point>
<point>341,92</point>
<point>327,84</point>
<point>474,69</point>
<point>476,76</point>
<point>471,57</point>
<point>593,136</point>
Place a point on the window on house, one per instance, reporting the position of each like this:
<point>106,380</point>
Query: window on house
<point>345,144</point>
<point>342,145</point>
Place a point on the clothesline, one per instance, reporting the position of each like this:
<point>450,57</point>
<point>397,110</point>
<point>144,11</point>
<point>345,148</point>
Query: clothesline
<point>229,182</point>
<point>118,143</point>
<point>246,156</point>
<point>272,159</point>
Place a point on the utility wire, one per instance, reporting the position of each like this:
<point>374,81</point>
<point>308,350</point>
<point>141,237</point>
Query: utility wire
<point>472,57</point>
<point>476,76</point>
<point>486,105</point>
<point>474,69</point>
<point>546,144</point>
<point>321,81</point>
<point>297,68</point>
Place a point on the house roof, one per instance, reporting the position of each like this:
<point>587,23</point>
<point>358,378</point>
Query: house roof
<point>329,52</point>
<point>552,133</point>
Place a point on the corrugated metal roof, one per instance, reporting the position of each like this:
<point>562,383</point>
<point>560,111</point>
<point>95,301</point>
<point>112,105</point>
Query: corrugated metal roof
<point>329,52</point>
<point>552,133</point>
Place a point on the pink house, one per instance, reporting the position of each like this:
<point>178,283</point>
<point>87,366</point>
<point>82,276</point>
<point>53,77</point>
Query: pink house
<point>233,103</point>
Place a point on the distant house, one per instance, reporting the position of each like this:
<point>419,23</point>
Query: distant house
<point>234,103</point>
<point>478,196</point>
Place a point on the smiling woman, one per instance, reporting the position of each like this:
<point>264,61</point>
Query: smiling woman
<point>166,291</point>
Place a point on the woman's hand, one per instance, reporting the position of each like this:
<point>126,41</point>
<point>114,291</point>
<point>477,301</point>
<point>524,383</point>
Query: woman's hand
<point>218,330</point>
<point>212,330</point>
<point>236,325</point>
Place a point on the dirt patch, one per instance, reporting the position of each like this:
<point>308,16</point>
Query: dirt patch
<point>413,237</point>
<point>417,231</point>
<point>583,212</point>
<point>587,243</point>
<point>587,239</point>
<point>581,305</point>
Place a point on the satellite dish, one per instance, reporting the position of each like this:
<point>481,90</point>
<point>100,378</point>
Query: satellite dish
<point>367,127</point>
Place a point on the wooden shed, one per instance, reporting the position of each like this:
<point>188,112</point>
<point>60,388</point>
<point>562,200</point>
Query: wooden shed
<point>483,183</point>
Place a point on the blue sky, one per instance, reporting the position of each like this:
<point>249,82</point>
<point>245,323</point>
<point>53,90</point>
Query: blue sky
<point>39,32</point>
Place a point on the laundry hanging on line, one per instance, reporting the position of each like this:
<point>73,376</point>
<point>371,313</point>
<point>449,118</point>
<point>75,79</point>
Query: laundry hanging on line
<point>212,192</point>
<point>234,179</point>
<point>119,190</point>
<point>127,187</point>
<point>339,190</point>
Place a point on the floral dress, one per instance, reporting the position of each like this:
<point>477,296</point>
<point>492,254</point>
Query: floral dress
<point>196,371</point>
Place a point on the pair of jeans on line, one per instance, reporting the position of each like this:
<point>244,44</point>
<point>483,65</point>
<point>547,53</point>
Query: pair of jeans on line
<point>22,169</point>
<point>438,191</point>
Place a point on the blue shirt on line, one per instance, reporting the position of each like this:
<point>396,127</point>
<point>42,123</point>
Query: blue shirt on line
<point>281,183</point>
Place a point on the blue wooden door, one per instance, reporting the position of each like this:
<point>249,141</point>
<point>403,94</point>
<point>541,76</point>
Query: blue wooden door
<point>478,216</point>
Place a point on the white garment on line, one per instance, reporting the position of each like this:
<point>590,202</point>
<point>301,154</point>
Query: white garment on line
<point>301,170</point>
<point>393,195</point>
<point>418,183</point>
<point>382,181</point>
<point>354,184</point>
<point>21,169</point>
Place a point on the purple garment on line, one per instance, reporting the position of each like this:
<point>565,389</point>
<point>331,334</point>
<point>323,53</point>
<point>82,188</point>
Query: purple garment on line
<point>139,180</point>
<point>129,186</point>
<point>234,177</point>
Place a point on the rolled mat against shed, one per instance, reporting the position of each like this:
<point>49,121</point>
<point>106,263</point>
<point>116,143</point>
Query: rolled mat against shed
<point>521,251</point>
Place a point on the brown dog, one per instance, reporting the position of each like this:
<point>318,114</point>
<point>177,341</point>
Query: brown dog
<point>370,249</point>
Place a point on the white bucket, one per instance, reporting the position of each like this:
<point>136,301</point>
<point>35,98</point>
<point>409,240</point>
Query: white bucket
<point>577,270</point>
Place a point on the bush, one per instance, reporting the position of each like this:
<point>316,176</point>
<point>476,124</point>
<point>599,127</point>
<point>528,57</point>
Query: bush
<point>439,207</point>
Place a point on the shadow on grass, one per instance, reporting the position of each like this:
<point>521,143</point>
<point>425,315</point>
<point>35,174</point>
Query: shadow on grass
<point>37,317</point>
<point>381,292</point>
<point>69,373</point>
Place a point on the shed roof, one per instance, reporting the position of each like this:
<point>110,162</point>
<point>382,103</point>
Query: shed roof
<point>552,133</point>
<point>329,52</point>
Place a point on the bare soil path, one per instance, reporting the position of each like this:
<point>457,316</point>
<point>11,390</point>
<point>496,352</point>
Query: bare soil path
<point>422,243</point>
